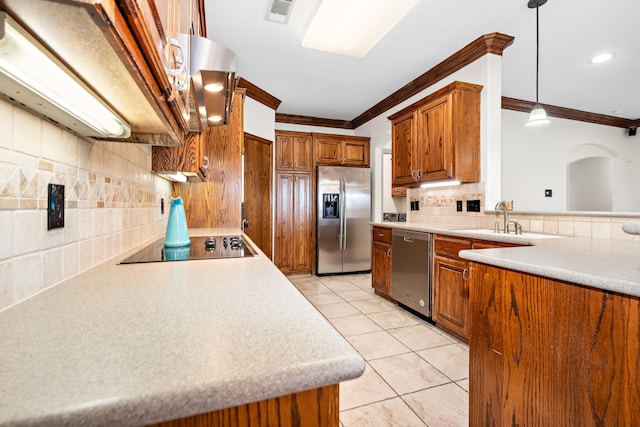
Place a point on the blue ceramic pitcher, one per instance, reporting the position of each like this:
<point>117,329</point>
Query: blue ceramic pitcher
<point>177,232</point>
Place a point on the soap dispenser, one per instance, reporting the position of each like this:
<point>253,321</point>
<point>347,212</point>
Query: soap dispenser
<point>177,232</point>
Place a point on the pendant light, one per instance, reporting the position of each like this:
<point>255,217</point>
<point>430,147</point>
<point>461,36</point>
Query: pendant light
<point>537,116</point>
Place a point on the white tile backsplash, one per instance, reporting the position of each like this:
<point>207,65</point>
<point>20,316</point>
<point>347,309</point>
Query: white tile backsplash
<point>112,202</point>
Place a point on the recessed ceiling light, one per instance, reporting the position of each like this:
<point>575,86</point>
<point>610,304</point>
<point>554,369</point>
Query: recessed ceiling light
<point>353,27</point>
<point>601,58</point>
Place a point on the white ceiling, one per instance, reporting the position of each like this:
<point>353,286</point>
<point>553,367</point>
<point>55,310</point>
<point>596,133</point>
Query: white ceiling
<point>326,85</point>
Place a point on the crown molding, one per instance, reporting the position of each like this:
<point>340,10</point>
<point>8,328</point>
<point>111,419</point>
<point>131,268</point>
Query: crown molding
<point>568,113</point>
<point>254,92</point>
<point>494,43</point>
<point>314,121</point>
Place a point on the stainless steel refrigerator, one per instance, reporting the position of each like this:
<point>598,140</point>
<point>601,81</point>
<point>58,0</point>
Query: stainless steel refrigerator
<point>343,218</point>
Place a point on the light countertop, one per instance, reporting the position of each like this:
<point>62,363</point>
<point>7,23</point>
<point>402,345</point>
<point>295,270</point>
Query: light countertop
<point>142,343</point>
<point>608,264</point>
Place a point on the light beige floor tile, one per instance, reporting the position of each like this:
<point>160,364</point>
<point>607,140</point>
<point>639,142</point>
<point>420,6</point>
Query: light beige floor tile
<point>340,309</point>
<point>388,413</point>
<point>354,325</point>
<point>320,299</point>
<point>333,279</point>
<point>357,295</point>
<point>446,405</point>
<point>368,388</point>
<point>393,319</point>
<point>299,278</point>
<point>419,337</point>
<point>464,384</point>
<point>407,373</point>
<point>364,283</point>
<point>312,288</point>
<point>341,286</point>
<point>375,345</point>
<point>375,305</point>
<point>452,360</point>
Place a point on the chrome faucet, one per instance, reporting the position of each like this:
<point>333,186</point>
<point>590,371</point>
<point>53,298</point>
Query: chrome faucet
<point>502,205</point>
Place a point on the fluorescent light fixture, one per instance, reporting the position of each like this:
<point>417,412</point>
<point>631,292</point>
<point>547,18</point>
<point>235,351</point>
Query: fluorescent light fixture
<point>601,58</point>
<point>31,76</point>
<point>436,184</point>
<point>353,27</point>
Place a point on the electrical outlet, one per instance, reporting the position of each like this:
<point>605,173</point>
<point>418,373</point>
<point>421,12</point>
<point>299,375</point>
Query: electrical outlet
<point>55,206</point>
<point>458,205</point>
<point>473,205</point>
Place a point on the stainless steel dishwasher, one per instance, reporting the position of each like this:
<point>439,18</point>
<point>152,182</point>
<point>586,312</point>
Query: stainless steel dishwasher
<point>411,270</point>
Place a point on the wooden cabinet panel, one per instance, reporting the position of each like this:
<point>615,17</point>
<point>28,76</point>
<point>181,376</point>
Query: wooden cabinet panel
<point>292,250</point>
<point>341,150</point>
<point>217,201</point>
<point>381,261</point>
<point>547,352</point>
<point>293,151</point>
<point>451,282</point>
<point>438,137</point>
<point>451,295</point>
<point>404,149</point>
<point>189,159</point>
<point>355,152</point>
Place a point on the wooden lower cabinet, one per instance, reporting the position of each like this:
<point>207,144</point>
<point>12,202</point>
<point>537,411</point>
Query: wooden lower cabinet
<point>549,353</point>
<point>293,228</point>
<point>451,282</point>
<point>381,261</point>
<point>313,408</point>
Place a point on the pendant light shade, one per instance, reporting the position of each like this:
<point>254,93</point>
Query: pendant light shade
<point>537,116</point>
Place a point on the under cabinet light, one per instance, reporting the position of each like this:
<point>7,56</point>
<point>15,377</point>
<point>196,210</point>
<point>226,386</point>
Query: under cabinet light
<point>32,76</point>
<point>353,27</point>
<point>440,184</point>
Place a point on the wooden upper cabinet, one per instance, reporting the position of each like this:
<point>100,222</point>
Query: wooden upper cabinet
<point>403,147</point>
<point>438,137</point>
<point>341,150</point>
<point>294,151</point>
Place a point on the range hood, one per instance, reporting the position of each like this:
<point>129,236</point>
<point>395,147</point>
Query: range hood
<point>212,69</point>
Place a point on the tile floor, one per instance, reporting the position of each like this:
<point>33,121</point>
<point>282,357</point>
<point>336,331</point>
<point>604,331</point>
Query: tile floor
<point>416,374</point>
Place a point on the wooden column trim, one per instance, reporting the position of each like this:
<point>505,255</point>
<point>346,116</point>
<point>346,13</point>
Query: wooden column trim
<point>254,92</point>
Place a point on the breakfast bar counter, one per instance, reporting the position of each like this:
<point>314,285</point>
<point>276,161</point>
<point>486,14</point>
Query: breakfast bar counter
<point>139,344</point>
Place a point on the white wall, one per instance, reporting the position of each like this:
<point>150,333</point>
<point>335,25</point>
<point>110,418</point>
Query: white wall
<point>535,159</point>
<point>259,120</point>
<point>486,71</point>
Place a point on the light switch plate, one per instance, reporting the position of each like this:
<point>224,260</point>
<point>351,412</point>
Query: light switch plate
<point>55,206</point>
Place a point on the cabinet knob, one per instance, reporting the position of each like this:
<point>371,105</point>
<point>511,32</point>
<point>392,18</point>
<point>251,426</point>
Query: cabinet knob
<point>389,253</point>
<point>465,275</point>
<point>381,234</point>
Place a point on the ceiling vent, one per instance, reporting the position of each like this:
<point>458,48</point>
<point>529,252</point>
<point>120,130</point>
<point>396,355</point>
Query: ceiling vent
<point>280,10</point>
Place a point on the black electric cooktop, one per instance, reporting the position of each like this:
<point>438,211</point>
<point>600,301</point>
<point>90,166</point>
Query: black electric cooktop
<point>212,247</point>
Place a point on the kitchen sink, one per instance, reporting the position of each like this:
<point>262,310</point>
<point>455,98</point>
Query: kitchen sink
<point>485,232</point>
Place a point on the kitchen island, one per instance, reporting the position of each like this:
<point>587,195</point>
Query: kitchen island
<point>140,344</point>
<point>555,330</point>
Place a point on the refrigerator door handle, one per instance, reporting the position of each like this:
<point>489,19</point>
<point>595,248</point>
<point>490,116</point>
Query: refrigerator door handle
<point>343,210</point>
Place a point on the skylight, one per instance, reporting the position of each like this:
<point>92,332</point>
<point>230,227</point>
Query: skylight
<point>353,27</point>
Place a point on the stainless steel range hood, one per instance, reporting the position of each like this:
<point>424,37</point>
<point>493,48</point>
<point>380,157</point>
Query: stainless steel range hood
<point>212,69</point>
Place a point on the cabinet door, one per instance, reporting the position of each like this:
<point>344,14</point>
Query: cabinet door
<point>328,150</point>
<point>451,295</point>
<point>381,268</point>
<point>302,217</point>
<point>355,152</point>
<point>189,158</point>
<point>403,141</point>
<point>292,249</point>
<point>293,153</point>
<point>435,150</point>
<point>284,226</point>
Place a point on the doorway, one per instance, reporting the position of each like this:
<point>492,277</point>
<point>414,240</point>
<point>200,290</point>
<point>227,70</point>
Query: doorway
<point>257,191</point>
